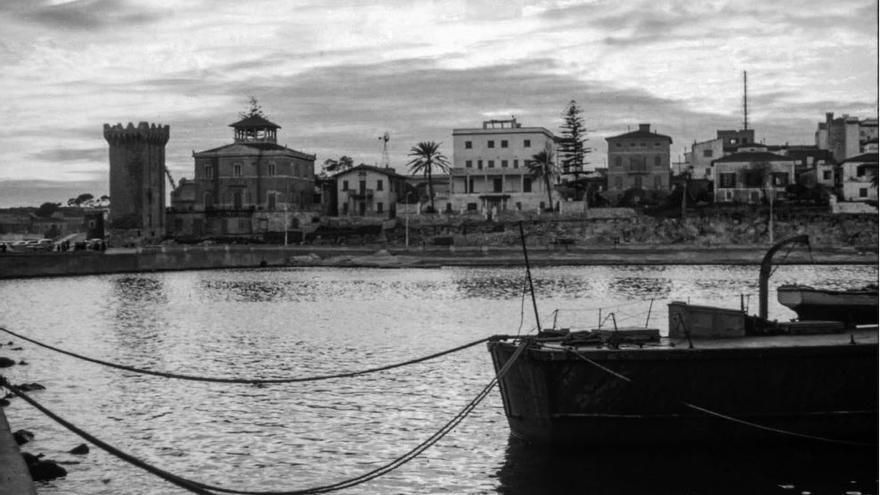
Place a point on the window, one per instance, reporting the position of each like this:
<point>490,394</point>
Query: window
<point>658,182</point>
<point>379,207</point>
<point>472,207</point>
<point>516,164</point>
<point>637,181</point>
<point>504,143</point>
<point>380,185</point>
<point>491,143</point>
<point>780,179</point>
<point>468,145</point>
<point>497,185</point>
<point>727,180</point>
<point>618,182</point>
<point>527,143</point>
<point>272,201</point>
<point>826,175</point>
<point>236,170</point>
<point>527,184</point>
<point>469,163</point>
<point>657,161</point>
<point>209,200</point>
<point>345,185</point>
<point>345,208</point>
<point>491,163</point>
<point>863,192</point>
<point>272,170</point>
<point>503,163</point>
<point>209,172</point>
<point>480,164</point>
<point>618,161</point>
<point>707,153</point>
<point>617,145</point>
<point>470,185</point>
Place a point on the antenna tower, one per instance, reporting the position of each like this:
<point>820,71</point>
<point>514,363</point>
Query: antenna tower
<point>385,161</point>
<point>745,102</point>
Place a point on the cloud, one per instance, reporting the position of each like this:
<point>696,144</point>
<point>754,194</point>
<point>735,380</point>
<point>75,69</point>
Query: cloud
<point>82,15</point>
<point>69,155</point>
<point>35,192</point>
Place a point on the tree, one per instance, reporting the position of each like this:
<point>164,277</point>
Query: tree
<point>426,156</point>
<point>332,166</point>
<point>572,149</point>
<point>541,166</point>
<point>255,109</point>
<point>80,200</point>
<point>47,209</point>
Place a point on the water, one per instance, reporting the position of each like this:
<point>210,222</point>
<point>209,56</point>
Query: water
<point>309,321</point>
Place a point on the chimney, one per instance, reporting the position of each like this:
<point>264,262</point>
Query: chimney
<point>644,127</point>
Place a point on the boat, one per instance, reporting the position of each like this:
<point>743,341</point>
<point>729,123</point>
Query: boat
<point>720,376</point>
<point>853,307</point>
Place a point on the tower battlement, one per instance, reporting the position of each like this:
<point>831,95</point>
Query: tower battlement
<point>151,133</point>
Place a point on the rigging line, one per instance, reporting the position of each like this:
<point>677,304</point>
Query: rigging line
<point>250,381</point>
<point>726,417</point>
<point>522,309</point>
<point>202,488</point>
<point>165,475</point>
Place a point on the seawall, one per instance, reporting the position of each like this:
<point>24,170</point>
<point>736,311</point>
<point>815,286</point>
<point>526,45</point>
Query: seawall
<point>237,256</point>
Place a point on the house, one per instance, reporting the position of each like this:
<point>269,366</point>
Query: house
<point>368,191</point>
<point>752,174</point>
<point>489,167</point>
<point>638,160</point>
<point>845,136</point>
<point>246,188</point>
<point>858,178</point>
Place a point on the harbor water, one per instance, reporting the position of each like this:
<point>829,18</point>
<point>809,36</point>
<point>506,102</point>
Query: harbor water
<point>299,322</point>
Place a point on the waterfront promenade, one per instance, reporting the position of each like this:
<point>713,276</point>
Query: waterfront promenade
<point>172,258</point>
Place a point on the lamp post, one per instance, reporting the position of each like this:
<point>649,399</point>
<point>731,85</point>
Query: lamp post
<point>406,220</point>
<point>285,224</point>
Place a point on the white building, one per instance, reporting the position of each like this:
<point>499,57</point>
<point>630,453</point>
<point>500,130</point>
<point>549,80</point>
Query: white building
<point>489,167</point>
<point>857,174</point>
<point>751,174</point>
<point>367,191</point>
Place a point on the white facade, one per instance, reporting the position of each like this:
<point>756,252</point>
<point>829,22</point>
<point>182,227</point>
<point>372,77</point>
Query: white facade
<point>368,191</point>
<point>749,176</point>
<point>856,176</point>
<point>703,154</point>
<point>489,167</point>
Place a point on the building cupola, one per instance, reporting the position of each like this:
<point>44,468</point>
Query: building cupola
<point>255,129</point>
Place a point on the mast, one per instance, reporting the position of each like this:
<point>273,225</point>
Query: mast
<point>745,102</point>
<point>766,265</point>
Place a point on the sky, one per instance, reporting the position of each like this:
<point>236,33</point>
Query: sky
<point>337,75</point>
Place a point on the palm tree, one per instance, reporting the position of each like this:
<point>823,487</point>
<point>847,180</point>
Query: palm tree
<point>426,156</point>
<point>541,166</point>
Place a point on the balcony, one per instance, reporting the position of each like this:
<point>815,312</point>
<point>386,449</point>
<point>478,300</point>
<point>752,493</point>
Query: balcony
<point>362,194</point>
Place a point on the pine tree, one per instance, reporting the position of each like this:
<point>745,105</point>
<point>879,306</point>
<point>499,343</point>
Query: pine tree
<point>572,150</point>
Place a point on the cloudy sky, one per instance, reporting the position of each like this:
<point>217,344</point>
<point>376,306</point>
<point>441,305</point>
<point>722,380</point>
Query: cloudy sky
<point>337,75</point>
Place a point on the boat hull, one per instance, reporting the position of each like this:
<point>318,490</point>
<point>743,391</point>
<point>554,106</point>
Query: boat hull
<point>753,393</point>
<point>850,307</point>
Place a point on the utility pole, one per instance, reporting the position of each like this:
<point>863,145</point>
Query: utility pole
<point>285,224</point>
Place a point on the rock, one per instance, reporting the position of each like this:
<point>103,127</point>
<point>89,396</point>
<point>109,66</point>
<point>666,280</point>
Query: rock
<point>42,470</point>
<point>30,387</point>
<point>5,362</point>
<point>80,449</point>
<point>22,363</point>
<point>22,437</point>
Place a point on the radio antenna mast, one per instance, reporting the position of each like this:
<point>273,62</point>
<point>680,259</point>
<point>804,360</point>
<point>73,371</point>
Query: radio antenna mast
<point>385,161</point>
<point>745,102</point>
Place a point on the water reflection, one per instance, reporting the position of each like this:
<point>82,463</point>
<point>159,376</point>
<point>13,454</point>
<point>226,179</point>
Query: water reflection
<point>246,290</point>
<point>795,469</point>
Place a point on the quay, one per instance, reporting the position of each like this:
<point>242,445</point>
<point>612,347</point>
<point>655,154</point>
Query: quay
<point>14,476</point>
<point>171,258</point>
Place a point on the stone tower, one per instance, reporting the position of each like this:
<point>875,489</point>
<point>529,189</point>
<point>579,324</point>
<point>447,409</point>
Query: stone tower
<point>137,182</point>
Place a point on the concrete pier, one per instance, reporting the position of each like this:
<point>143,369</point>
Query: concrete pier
<point>14,476</point>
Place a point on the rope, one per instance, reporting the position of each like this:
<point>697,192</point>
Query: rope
<point>203,488</point>
<point>251,381</point>
<point>727,417</point>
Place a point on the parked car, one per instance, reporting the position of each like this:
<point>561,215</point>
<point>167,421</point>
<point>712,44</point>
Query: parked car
<point>44,245</point>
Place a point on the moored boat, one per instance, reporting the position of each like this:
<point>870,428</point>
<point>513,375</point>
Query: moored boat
<point>853,307</point>
<point>719,376</point>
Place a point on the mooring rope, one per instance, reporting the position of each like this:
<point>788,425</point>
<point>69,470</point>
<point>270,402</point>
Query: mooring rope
<point>250,381</point>
<point>725,416</point>
<point>203,488</point>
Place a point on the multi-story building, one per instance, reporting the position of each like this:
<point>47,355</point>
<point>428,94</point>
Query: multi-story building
<point>858,174</point>
<point>703,154</point>
<point>369,191</point>
<point>489,167</point>
<point>246,188</point>
<point>752,174</point>
<point>638,160</point>
<point>845,136</point>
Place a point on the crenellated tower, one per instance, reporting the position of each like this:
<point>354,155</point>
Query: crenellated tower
<point>137,179</point>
